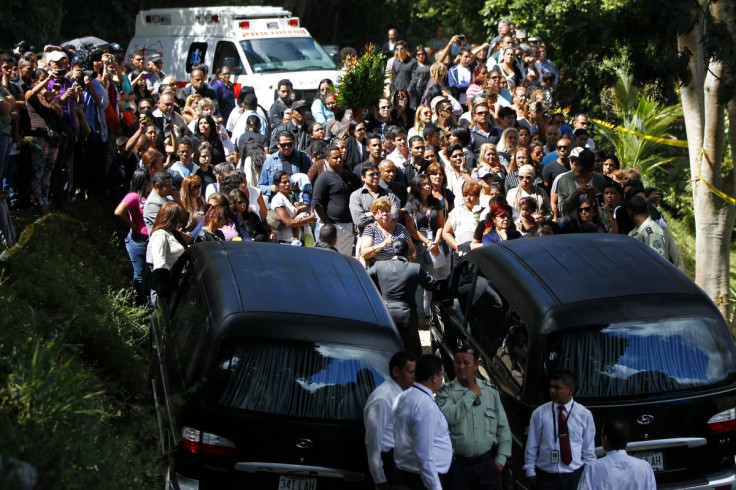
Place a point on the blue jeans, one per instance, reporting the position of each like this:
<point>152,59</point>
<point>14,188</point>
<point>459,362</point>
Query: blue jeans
<point>136,245</point>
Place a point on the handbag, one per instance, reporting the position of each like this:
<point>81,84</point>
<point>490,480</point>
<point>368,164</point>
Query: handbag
<point>54,138</point>
<point>160,280</point>
<point>274,220</point>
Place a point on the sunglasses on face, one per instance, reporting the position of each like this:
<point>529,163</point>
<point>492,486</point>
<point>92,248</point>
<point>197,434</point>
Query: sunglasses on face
<point>197,186</point>
<point>286,145</point>
<point>563,147</point>
<point>372,174</point>
<point>584,209</point>
<point>240,203</point>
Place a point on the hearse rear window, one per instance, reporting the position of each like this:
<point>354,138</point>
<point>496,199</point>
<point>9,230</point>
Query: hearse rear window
<point>643,358</point>
<point>313,380</point>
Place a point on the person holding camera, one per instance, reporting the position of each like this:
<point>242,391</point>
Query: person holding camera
<point>69,96</point>
<point>95,101</point>
<point>44,112</point>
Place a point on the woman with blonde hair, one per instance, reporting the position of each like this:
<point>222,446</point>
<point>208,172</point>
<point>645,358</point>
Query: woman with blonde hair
<point>189,111</point>
<point>191,197</point>
<point>437,74</point>
<point>507,145</point>
<point>422,117</point>
<point>379,235</point>
<point>488,161</point>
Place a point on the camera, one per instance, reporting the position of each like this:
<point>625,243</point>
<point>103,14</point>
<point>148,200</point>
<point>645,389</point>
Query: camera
<point>461,38</point>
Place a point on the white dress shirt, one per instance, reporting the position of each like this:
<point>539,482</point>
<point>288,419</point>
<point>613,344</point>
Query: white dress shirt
<point>543,442</point>
<point>617,471</point>
<point>379,427</point>
<point>422,442</point>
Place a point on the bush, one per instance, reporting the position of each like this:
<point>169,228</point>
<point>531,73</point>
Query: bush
<point>73,359</point>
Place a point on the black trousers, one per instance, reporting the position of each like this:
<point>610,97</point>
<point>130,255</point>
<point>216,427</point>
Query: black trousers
<point>407,480</point>
<point>558,481</point>
<point>483,475</point>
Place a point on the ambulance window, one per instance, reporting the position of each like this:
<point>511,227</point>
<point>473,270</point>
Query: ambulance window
<point>196,54</point>
<point>226,50</point>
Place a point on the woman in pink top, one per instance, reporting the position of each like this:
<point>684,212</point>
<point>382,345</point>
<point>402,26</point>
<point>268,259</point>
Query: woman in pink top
<point>480,73</point>
<point>130,211</point>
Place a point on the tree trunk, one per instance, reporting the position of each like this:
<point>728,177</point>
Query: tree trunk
<point>705,126</point>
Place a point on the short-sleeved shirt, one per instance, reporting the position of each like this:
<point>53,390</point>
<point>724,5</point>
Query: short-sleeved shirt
<point>279,200</point>
<point>377,235</point>
<point>652,234</point>
<point>551,171</point>
<point>425,219</point>
<point>135,211</point>
<point>332,192</point>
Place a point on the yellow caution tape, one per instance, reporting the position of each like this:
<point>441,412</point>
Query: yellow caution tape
<point>664,141</point>
<point>681,144</point>
<point>27,233</point>
<point>730,200</point>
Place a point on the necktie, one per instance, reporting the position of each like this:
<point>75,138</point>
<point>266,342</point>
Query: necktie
<point>565,451</point>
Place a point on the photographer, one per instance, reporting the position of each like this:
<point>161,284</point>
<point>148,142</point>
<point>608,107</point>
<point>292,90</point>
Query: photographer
<point>95,101</point>
<point>69,96</point>
<point>45,113</point>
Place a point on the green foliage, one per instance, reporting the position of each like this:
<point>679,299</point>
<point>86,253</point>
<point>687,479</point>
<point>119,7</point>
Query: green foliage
<point>73,358</point>
<point>640,113</point>
<point>455,18</point>
<point>362,85</point>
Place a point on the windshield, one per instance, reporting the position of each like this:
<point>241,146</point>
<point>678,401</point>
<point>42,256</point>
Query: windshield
<point>643,358</point>
<point>314,380</point>
<point>286,54</point>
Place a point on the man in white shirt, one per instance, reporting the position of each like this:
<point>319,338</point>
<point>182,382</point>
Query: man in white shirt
<point>617,470</point>
<point>422,445</point>
<point>379,428</point>
<point>561,438</point>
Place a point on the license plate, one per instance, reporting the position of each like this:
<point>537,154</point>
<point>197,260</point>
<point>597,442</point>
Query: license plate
<point>296,483</point>
<point>655,459</point>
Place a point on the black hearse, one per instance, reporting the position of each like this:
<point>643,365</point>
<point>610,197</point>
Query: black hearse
<point>645,342</point>
<point>262,359</point>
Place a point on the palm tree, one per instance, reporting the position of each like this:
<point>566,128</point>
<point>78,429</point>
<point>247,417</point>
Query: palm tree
<point>644,116</point>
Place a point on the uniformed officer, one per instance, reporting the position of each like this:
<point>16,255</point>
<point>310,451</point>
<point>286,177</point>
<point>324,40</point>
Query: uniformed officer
<point>645,229</point>
<point>478,426</point>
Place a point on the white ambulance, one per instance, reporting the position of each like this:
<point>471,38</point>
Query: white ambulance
<point>261,45</point>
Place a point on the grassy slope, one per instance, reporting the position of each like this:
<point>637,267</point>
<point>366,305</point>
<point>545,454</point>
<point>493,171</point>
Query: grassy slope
<point>73,356</point>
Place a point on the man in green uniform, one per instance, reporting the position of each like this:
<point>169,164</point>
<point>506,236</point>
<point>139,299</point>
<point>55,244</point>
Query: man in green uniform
<point>645,229</point>
<point>478,426</point>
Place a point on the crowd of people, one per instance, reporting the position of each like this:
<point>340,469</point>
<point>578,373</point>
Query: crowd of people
<point>463,151</point>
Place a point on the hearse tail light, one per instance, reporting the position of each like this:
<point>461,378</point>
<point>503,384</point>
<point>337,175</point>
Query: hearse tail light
<point>723,421</point>
<point>244,24</point>
<point>294,22</point>
<point>199,442</point>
